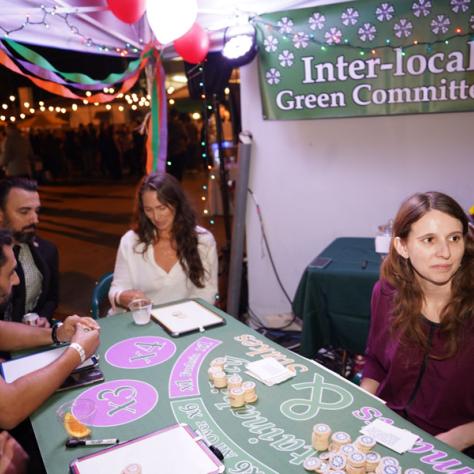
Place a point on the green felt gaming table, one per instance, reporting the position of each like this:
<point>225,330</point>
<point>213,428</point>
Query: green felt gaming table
<point>334,302</point>
<point>153,380</point>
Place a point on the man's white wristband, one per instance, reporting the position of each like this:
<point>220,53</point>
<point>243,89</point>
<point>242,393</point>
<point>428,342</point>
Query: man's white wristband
<point>80,350</point>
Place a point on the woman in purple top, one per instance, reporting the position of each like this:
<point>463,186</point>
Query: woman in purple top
<point>420,351</point>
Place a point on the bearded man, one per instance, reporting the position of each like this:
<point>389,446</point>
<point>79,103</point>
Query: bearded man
<point>37,267</point>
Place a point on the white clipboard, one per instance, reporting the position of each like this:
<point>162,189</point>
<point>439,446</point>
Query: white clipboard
<point>183,318</point>
<point>176,450</point>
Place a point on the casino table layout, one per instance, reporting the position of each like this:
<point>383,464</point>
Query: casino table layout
<point>153,380</point>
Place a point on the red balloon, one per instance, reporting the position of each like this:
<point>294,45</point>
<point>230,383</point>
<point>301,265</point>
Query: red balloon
<point>194,45</point>
<point>129,11</point>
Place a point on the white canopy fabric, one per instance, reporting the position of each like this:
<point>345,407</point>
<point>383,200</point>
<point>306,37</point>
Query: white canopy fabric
<point>88,25</point>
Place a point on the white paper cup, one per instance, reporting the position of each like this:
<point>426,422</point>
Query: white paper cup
<point>31,319</point>
<point>382,243</point>
<point>141,311</point>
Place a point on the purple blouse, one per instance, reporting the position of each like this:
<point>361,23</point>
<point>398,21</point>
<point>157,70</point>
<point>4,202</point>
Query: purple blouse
<point>435,395</point>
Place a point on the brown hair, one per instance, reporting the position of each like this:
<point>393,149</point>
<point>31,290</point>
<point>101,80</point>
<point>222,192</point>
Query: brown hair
<point>408,298</point>
<point>169,192</point>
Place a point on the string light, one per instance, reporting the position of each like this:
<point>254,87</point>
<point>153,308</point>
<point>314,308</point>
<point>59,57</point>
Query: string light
<point>64,14</point>
<point>143,102</point>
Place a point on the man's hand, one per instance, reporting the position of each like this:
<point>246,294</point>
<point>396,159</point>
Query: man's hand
<point>87,337</point>
<point>127,296</point>
<point>43,323</point>
<point>13,459</point>
<point>68,329</point>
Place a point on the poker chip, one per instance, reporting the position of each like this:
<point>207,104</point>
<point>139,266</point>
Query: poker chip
<point>234,381</point>
<point>365,443</point>
<point>311,463</point>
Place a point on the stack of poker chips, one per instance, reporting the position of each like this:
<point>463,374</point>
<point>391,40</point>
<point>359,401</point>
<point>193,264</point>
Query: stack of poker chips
<point>320,437</point>
<point>372,460</point>
<point>388,465</point>
<point>250,392</point>
<point>356,463</point>
<point>339,456</point>
<point>239,392</point>
<point>339,439</point>
<point>365,443</point>
<point>234,381</point>
<point>236,397</point>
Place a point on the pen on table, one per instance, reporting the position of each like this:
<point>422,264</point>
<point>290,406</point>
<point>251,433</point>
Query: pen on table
<point>364,264</point>
<point>72,443</point>
<point>217,452</point>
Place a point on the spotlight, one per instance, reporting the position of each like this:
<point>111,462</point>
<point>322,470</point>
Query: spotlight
<point>238,40</point>
<point>240,46</point>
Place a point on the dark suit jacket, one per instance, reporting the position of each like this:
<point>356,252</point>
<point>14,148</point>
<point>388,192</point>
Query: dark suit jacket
<point>45,255</point>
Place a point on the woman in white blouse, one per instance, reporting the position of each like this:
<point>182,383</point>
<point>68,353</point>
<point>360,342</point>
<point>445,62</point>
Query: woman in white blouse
<point>166,256</point>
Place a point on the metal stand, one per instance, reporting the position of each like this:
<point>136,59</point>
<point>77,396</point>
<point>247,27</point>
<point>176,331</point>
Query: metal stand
<point>238,227</point>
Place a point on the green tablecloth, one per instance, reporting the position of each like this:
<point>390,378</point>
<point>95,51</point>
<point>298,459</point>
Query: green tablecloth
<point>334,302</point>
<point>271,436</point>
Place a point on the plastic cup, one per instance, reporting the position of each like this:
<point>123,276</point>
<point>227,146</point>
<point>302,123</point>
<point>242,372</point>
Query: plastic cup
<point>141,311</point>
<point>31,319</point>
<point>82,409</point>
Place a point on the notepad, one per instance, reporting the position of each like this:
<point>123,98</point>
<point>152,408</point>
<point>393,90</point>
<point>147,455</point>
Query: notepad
<point>16,368</point>
<point>176,450</point>
<point>184,318</point>
<point>396,439</point>
<point>269,371</point>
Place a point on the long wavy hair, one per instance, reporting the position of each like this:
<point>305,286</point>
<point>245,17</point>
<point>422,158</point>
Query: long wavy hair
<point>169,192</point>
<point>458,313</point>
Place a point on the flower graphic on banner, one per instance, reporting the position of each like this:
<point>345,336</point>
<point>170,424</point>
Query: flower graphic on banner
<point>316,21</point>
<point>350,17</point>
<point>460,5</point>
<point>385,12</point>
<point>286,58</point>
<point>333,36</point>
<point>285,25</point>
<point>300,40</point>
<point>404,28</point>
<point>421,8</point>
<point>273,76</point>
<point>367,32</point>
<point>270,43</point>
<point>440,24</point>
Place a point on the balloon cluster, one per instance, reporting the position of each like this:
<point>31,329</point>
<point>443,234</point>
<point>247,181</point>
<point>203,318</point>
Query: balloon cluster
<point>170,21</point>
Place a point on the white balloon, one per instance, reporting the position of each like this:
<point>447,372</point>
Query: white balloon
<point>170,19</point>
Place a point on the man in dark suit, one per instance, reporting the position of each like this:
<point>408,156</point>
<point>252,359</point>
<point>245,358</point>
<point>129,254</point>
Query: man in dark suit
<point>37,258</point>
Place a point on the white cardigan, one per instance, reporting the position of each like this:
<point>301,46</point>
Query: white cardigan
<point>134,270</point>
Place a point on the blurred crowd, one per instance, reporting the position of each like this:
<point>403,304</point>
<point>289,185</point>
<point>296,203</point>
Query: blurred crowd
<point>105,150</point>
<point>61,154</point>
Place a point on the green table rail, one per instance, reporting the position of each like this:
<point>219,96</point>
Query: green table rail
<point>334,302</point>
<point>167,382</point>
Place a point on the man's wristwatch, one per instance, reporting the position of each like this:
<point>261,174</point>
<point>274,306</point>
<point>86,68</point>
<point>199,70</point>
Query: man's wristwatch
<point>54,332</point>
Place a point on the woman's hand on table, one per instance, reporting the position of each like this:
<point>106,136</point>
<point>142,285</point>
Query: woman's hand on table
<point>461,437</point>
<point>127,296</point>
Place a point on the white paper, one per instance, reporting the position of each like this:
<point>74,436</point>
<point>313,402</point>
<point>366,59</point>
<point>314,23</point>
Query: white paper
<point>16,368</point>
<point>396,439</point>
<point>183,317</point>
<point>269,371</point>
<point>172,451</point>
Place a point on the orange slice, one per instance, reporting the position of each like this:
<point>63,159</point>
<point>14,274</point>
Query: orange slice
<point>74,427</point>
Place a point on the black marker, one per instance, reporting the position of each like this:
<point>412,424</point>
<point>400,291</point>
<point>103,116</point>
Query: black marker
<point>72,443</point>
<point>215,450</point>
